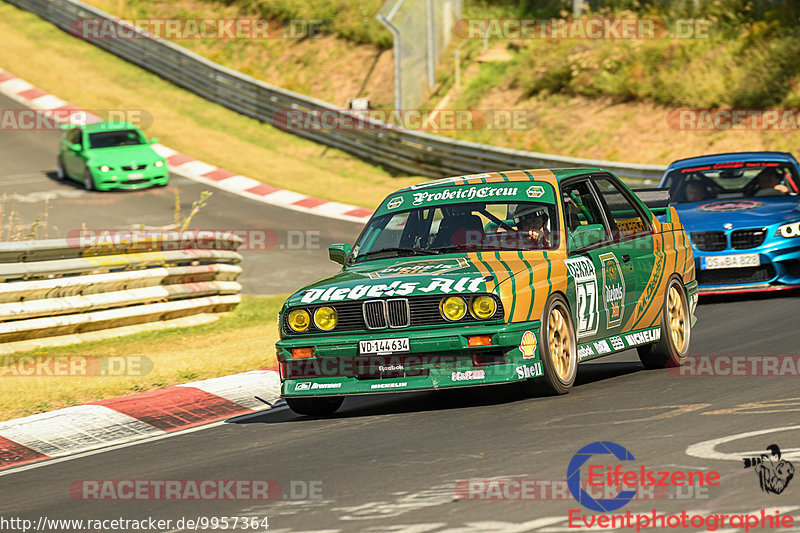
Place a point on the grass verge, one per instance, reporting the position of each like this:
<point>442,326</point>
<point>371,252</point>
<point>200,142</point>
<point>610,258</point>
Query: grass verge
<point>86,76</point>
<point>320,60</point>
<point>241,341</point>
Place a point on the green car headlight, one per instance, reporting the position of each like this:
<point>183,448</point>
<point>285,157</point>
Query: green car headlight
<point>105,168</point>
<point>483,307</point>
<point>299,320</point>
<point>159,164</point>
<point>325,318</point>
<point>453,308</point>
<point>789,231</point>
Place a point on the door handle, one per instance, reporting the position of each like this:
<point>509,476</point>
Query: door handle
<point>626,258</point>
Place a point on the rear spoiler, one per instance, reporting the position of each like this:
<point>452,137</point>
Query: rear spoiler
<point>653,198</point>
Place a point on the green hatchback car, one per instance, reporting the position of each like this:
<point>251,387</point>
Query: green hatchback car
<point>492,278</point>
<point>110,155</point>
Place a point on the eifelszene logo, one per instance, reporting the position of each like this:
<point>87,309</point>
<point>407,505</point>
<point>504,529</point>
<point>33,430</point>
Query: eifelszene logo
<point>601,476</point>
<point>774,473</point>
<point>574,476</point>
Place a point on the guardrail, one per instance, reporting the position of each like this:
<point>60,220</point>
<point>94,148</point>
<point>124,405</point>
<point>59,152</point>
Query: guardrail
<point>64,286</point>
<point>413,152</point>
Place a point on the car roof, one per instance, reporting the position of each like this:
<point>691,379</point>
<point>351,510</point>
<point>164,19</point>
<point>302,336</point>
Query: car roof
<point>550,175</point>
<point>109,125</point>
<point>730,157</point>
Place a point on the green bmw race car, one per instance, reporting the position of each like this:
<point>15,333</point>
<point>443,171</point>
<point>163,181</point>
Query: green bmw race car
<point>110,155</point>
<point>492,278</point>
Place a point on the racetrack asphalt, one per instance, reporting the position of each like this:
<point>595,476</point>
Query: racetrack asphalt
<point>392,462</point>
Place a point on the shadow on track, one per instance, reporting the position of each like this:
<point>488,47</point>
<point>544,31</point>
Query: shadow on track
<point>52,176</point>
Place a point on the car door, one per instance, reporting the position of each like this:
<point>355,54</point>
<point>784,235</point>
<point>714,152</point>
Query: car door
<point>83,154</point>
<point>629,259</point>
<point>72,159</point>
<point>588,236</point>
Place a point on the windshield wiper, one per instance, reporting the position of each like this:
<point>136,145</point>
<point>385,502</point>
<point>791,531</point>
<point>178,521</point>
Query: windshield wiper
<point>449,249</point>
<point>399,250</point>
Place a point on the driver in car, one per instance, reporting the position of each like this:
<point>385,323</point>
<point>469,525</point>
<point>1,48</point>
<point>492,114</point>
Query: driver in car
<point>770,183</point>
<point>531,226</point>
<point>695,192</point>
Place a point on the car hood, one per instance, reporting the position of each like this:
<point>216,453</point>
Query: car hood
<point>124,155</point>
<point>756,212</point>
<point>402,277</point>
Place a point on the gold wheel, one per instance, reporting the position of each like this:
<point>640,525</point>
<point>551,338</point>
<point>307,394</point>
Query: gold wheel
<point>676,330</point>
<point>560,344</point>
<point>676,318</point>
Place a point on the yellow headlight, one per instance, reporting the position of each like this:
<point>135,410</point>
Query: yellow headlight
<point>325,318</point>
<point>483,307</point>
<point>453,308</point>
<point>299,320</point>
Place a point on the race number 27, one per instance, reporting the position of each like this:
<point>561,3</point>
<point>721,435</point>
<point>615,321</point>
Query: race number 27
<point>587,308</point>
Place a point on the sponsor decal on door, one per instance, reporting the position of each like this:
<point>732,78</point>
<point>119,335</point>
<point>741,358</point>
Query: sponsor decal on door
<point>613,289</point>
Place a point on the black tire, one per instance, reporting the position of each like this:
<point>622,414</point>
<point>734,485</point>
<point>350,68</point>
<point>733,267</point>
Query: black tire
<point>315,406</point>
<point>676,329</point>
<point>558,378</point>
<point>88,181</point>
<point>61,173</point>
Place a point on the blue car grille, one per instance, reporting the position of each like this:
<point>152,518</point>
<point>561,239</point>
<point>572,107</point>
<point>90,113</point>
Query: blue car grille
<point>743,239</point>
<point>134,167</point>
<point>710,241</point>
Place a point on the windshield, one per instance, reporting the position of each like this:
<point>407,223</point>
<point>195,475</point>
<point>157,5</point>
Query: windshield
<point>110,139</point>
<point>474,227</point>
<point>731,180</point>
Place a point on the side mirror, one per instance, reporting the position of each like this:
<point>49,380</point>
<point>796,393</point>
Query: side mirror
<point>154,140</point>
<point>75,147</point>
<point>339,252</point>
<point>587,235</point>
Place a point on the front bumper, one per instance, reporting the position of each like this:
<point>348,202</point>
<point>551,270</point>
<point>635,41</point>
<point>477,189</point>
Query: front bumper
<point>131,180</point>
<point>437,358</point>
<point>779,269</point>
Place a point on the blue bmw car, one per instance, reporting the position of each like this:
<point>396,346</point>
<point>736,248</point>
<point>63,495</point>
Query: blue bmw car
<point>742,213</point>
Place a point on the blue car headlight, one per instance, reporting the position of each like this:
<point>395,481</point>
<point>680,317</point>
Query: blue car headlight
<point>159,163</point>
<point>790,231</point>
<point>105,168</point>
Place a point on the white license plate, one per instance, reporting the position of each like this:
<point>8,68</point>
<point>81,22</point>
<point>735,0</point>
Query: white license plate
<point>135,175</point>
<point>730,261</point>
<point>384,346</point>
